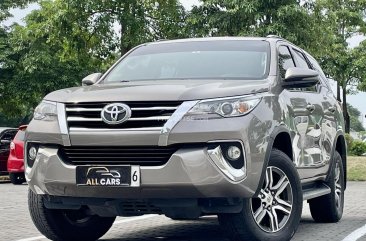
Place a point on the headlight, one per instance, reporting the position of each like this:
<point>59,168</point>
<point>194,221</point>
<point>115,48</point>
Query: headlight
<point>47,111</point>
<point>226,107</point>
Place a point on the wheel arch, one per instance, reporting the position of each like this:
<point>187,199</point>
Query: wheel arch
<point>341,147</point>
<point>280,139</point>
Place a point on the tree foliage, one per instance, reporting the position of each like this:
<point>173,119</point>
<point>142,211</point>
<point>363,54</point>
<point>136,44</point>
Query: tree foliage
<point>64,41</point>
<point>287,18</point>
<point>6,5</point>
<point>342,20</point>
<point>355,116</point>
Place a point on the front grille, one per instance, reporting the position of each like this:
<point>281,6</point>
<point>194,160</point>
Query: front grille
<point>148,115</point>
<point>119,155</point>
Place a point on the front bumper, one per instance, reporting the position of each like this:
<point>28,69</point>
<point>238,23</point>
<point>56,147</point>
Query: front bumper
<point>189,173</point>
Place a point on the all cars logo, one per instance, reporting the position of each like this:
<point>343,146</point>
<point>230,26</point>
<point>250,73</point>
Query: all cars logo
<point>102,176</point>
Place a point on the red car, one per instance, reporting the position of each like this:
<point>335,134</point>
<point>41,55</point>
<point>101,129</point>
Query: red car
<point>16,158</point>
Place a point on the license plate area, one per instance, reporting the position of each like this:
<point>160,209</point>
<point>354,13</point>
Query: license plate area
<point>110,176</point>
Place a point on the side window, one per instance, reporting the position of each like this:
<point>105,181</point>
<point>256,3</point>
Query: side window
<point>317,67</point>
<point>300,59</point>
<point>9,135</point>
<point>20,135</point>
<point>285,60</point>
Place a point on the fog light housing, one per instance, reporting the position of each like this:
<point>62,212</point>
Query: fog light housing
<point>32,153</point>
<point>233,153</point>
<point>229,157</point>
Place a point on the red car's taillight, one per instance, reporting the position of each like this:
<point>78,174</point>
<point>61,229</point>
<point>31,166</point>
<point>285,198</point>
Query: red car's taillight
<point>12,146</point>
<point>12,149</point>
<point>16,149</point>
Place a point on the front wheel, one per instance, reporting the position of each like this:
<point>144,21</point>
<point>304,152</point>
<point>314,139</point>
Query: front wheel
<point>275,213</point>
<point>67,225</point>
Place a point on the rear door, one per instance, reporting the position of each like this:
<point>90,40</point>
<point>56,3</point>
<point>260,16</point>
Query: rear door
<point>312,155</point>
<point>329,122</point>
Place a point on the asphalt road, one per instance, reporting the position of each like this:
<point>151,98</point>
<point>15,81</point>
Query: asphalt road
<point>15,222</point>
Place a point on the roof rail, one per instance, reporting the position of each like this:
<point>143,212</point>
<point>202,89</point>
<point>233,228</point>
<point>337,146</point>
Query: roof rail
<point>273,36</point>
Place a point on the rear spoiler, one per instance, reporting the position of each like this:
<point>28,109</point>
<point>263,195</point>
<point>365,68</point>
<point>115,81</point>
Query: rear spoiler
<point>23,127</point>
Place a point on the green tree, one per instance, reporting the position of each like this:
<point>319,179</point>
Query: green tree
<point>7,5</point>
<point>342,19</point>
<point>64,41</point>
<point>137,21</point>
<point>35,62</point>
<point>286,18</point>
<point>355,114</point>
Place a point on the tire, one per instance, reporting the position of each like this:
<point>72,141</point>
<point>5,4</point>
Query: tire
<point>17,178</point>
<point>286,204</point>
<point>66,225</point>
<point>329,208</point>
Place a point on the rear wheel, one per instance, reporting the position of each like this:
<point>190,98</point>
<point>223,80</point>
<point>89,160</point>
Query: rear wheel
<point>17,178</point>
<point>275,213</point>
<point>329,208</point>
<point>67,225</point>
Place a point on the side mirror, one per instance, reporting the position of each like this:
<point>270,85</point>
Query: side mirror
<point>300,78</point>
<point>91,79</point>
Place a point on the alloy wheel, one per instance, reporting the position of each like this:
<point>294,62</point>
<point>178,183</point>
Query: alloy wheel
<point>338,186</point>
<point>272,208</point>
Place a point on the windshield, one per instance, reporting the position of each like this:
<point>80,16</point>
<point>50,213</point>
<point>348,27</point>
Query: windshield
<point>229,59</point>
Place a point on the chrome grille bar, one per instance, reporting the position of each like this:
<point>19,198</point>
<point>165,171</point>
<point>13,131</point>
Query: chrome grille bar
<point>80,129</point>
<point>74,118</point>
<point>133,109</point>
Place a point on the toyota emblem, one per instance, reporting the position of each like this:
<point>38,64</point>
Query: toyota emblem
<point>115,113</point>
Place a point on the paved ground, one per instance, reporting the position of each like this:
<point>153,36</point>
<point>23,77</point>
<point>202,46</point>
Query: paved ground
<point>15,222</point>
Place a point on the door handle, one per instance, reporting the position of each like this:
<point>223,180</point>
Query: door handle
<point>332,109</point>
<point>310,107</point>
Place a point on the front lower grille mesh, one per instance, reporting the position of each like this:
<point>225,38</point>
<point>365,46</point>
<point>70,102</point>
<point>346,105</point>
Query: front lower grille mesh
<point>117,155</point>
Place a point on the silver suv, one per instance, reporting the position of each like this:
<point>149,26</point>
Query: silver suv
<point>242,128</point>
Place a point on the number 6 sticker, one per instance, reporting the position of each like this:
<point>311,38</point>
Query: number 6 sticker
<point>135,176</point>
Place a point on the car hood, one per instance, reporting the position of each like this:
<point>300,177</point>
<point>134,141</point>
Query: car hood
<point>159,91</point>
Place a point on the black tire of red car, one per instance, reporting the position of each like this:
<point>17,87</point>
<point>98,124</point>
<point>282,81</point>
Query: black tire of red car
<point>17,178</point>
<point>250,224</point>
<point>66,225</point>
<point>329,208</point>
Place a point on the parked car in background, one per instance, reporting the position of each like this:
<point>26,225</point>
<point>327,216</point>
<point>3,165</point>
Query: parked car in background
<point>16,157</point>
<point>6,136</point>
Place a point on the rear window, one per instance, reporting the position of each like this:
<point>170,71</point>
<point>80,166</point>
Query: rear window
<point>221,59</point>
<point>20,135</point>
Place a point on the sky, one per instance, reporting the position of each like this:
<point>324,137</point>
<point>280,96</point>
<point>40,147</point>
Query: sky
<point>358,100</point>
